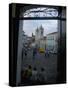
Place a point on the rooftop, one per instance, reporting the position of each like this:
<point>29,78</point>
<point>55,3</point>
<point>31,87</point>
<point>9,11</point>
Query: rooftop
<point>52,33</point>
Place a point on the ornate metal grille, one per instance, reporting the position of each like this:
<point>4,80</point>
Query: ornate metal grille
<point>41,12</point>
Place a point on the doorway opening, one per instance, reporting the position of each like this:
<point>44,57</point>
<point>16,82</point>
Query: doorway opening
<point>38,40</point>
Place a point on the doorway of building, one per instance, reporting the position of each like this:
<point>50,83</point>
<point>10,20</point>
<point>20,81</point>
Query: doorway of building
<point>38,40</point>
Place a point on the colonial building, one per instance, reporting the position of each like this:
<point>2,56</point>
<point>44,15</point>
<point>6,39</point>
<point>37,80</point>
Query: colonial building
<point>52,42</point>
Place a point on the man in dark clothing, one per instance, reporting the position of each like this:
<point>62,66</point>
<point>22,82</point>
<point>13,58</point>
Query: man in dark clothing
<point>34,52</point>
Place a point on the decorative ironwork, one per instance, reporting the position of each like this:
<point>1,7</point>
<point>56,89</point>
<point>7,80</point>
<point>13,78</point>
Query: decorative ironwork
<point>41,12</point>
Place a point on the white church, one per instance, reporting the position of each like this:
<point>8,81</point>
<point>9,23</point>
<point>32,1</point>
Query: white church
<point>46,42</point>
<point>39,38</point>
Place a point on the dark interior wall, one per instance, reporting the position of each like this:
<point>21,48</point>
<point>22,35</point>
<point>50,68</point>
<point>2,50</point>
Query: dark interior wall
<point>13,42</point>
<point>62,48</point>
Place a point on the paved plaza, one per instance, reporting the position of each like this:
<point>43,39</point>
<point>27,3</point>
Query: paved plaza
<point>42,61</point>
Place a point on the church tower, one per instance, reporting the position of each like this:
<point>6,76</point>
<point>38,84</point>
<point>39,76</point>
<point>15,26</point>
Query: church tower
<point>39,34</point>
<point>41,31</point>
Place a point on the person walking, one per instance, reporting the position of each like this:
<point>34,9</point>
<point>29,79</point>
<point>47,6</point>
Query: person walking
<point>25,52</point>
<point>34,52</point>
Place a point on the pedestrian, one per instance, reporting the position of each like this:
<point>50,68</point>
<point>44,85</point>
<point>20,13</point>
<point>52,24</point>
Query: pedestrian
<point>26,75</point>
<point>29,71</point>
<point>34,52</point>
<point>41,75</point>
<point>25,52</point>
<point>47,53</point>
<point>34,75</point>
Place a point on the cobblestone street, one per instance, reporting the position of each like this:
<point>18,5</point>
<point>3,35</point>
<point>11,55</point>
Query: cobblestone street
<point>41,61</point>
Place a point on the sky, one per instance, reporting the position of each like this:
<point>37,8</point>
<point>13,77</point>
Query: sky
<point>29,26</point>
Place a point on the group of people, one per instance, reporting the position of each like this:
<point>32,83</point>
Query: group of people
<point>33,76</point>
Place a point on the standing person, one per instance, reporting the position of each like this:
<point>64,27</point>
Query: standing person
<point>41,76</point>
<point>25,50</point>
<point>29,70</point>
<point>47,53</point>
<point>34,52</point>
<point>34,75</point>
<point>27,75</point>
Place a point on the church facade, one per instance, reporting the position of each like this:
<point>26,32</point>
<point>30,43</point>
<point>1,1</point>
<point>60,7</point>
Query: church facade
<point>39,38</point>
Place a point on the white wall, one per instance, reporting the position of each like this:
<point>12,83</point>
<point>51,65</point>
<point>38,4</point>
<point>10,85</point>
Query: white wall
<point>51,41</point>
